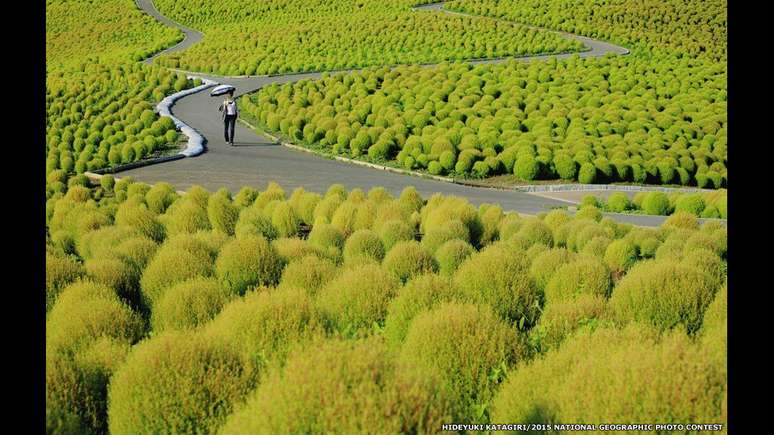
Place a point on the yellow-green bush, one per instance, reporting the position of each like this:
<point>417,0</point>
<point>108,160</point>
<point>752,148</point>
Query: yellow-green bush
<point>681,219</point>
<point>187,215</point>
<point>614,375</point>
<point>620,255</point>
<point>363,245</point>
<point>116,274</point>
<point>60,271</point>
<point>344,217</point>
<point>86,311</point>
<point>451,230</point>
<point>420,294</point>
<point>584,275</point>
<point>326,237</point>
<point>498,276</point>
<point>357,299</point>
<point>382,396</point>
<point>451,255</point>
<point>160,197</point>
<point>177,382</point>
<point>708,262</point>
<point>247,262</point>
<point>136,251</point>
<point>284,219</point>
<point>170,266</point>
<point>222,213</point>
<point>435,215</point>
<point>561,318</point>
<point>536,231</point>
<point>323,212</point>
<point>309,273</point>
<point>293,249</point>
<point>434,342</point>
<point>266,324</point>
<point>253,222</point>
<point>394,231</point>
<point>596,247</point>
<point>490,216</point>
<point>408,259</point>
<point>189,304</point>
<point>665,294</point>
<point>509,226</point>
<point>545,265</point>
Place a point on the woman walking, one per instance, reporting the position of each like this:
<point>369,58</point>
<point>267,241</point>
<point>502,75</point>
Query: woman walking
<point>230,113</point>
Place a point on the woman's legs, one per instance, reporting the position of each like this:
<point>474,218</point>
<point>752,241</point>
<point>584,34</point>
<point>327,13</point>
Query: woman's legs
<point>230,124</point>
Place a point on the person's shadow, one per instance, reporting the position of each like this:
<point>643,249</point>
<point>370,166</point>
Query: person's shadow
<point>255,144</point>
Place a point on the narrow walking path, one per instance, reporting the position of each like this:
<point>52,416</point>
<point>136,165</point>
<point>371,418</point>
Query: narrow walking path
<point>256,160</point>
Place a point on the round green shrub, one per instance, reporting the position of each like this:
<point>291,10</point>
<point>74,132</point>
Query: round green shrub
<point>498,276</point>
<point>620,255</point>
<point>245,197</point>
<point>589,212</point>
<point>266,325</point>
<point>526,168</point>
<point>407,259</point>
<point>545,265</point>
<point>189,304</point>
<point>681,219</point>
<point>384,396</point>
<point>116,274</point>
<point>86,311</point>
<point>596,247</point>
<point>169,266</point>
<point>590,200</point>
<point>433,342</point>
<point>177,383</point>
<point>419,294</point>
<point>394,231</point>
<point>509,226</point>
<point>618,202</point>
<point>633,374</point>
<point>665,294</point>
<point>222,213</point>
<point>535,231</point>
<point>186,216</point>
<point>451,255</point>
<point>437,236</point>
<point>656,203</point>
<point>284,220</point>
<point>363,245</point>
<point>708,262</point>
<point>310,273</point>
<point>293,249</point>
<point>160,197</point>
<point>565,167</point>
<point>691,203</point>
<point>357,299</point>
<point>326,237</point>
<point>585,275</point>
<point>587,173</point>
<point>138,217</point>
<point>60,272</point>
<point>247,262</point>
<point>561,318</point>
<point>107,182</point>
<point>252,222</point>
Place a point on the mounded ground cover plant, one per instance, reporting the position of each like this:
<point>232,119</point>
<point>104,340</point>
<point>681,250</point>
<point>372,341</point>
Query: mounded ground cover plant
<point>274,37</point>
<point>701,205</point>
<point>525,295</point>
<point>177,382</point>
<point>383,395</point>
<point>435,337</point>
<point>611,374</point>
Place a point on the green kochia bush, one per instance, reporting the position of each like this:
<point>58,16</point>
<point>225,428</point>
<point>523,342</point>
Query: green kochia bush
<point>451,255</point>
<point>86,311</point>
<point>545,265</point>
<point>171,265</point>
<point>60,271</point>
<point>561,318</point>
<point>357,299</point>
<point>664,293</point>
<point>656,203</point>
<point>586,275</point>
<point>498,276</point>
<point>222,213</point>
<point>433,343</point>
<point>249,261</point>
<point>363,245</point>
<point>633,377</point>
<point>177,383</point>
<point>407,259</point>
<point>253,222</point>
<point>421,293</point>
<point>266,324</point>
<point>394,231</point>
<point>189,304</point>
<point>382,396</point>
<point>310,273</point>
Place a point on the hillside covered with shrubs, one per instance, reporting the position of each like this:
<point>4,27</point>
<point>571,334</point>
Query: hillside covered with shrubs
<point>253,312</point>
<point>655,116</point>
<point>283,36</point>
<point>704,205</point>
<point>99,100</point>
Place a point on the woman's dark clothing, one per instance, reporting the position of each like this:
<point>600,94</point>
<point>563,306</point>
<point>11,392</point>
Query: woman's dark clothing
<point>229,122</point>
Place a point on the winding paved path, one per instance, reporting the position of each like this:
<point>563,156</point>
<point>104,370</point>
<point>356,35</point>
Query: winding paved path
<point>255,160</point>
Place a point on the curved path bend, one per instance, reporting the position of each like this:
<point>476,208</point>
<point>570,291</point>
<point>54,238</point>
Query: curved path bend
<point>255,160</point>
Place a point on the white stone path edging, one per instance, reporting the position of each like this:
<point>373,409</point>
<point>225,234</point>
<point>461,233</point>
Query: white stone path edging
<point>195,145</point>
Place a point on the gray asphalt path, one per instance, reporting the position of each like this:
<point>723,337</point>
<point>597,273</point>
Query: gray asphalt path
<point>256,160</point>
